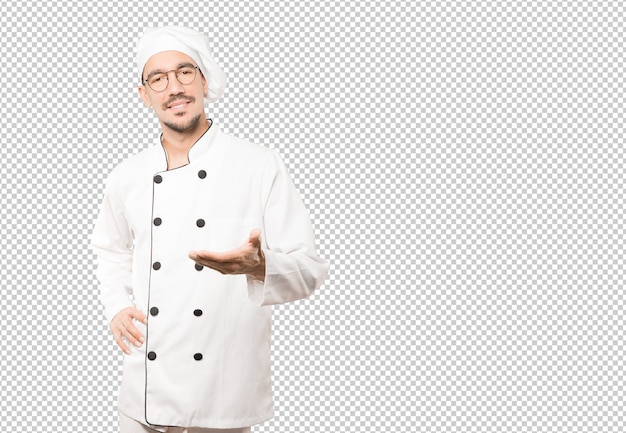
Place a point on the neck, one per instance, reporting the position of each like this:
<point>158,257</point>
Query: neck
<point>184,139</point>
<point>178,143</point>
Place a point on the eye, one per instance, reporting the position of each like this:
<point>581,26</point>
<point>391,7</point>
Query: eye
<point>157,78</point>
<point>185,71</point>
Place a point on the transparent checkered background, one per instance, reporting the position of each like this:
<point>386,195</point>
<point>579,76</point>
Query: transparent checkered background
<point>463,163</point>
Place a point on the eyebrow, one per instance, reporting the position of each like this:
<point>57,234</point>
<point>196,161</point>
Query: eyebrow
<point>161,71</point>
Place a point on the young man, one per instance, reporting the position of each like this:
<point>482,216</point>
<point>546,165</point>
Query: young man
<point>197,237</point>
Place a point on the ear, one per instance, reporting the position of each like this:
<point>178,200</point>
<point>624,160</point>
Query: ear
<point>143,93</point>
<point>205,87</point>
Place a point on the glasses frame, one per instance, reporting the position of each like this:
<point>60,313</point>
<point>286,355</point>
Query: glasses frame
<point>167,77</point>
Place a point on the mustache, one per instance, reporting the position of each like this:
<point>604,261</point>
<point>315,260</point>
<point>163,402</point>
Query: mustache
<point>175,99</point>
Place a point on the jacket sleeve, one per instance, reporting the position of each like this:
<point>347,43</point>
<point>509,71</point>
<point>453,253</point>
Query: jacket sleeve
<point>112,243</point>
<point>293,270</point>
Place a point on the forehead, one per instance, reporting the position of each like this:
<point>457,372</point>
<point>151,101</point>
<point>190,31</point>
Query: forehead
<point>166,60</point>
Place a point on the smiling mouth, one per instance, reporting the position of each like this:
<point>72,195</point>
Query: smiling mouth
<point>178,105</point>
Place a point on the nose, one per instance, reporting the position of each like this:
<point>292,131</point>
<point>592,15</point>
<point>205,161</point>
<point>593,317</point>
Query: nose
<point>173,85</point>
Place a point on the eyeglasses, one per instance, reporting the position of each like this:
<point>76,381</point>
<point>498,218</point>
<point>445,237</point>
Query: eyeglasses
<point>159,81</point>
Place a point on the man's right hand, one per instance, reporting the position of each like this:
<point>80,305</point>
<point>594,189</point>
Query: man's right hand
<point>123,328</point>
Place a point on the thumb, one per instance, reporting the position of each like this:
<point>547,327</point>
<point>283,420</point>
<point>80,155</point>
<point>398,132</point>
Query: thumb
<point>255,237</point>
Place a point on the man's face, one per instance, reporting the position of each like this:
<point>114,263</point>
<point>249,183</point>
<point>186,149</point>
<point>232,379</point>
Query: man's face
<point>180,106</point>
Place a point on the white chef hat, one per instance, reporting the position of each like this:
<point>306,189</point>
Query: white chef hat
<point>188,41</point>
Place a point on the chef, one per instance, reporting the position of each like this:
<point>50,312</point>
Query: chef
<point>196,238</point>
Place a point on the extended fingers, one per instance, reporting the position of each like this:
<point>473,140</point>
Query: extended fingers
<point>124,330</point>
<point>129,334</point>
<point>120,342</point>
<point>133,335</point>
<point>222,257</point>
<point>246,259</point>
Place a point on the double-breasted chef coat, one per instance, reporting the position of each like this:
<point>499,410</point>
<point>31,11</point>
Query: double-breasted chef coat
<point>206,359</point>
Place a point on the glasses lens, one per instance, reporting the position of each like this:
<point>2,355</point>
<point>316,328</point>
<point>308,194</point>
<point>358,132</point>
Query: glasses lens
<point>186,74</point>
<point>158,82</point>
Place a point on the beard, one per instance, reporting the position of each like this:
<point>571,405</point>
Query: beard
<point>185,127</point>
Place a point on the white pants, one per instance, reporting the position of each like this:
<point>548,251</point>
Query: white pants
<point>129,425</point>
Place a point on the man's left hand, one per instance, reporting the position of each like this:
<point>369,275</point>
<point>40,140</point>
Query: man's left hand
<point>247,259</point>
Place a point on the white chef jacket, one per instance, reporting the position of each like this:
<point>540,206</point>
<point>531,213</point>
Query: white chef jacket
<point>206,359</point>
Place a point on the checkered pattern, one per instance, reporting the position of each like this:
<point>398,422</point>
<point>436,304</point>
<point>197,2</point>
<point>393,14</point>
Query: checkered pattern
<point>463,163</point>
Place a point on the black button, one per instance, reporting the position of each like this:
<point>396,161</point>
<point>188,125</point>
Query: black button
<point>202,174</point>
<point>151,356</point>
<point>158,179</point>
<point>197,356</point>
<point>154,311</point>
<point>200,223</point>
<point>157,221</point>
<point>156,266</point>
<point>199,267</point>
<point>197,313</point>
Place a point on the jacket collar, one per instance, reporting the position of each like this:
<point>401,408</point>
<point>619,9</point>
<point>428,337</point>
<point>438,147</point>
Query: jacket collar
<point>200,148</point>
